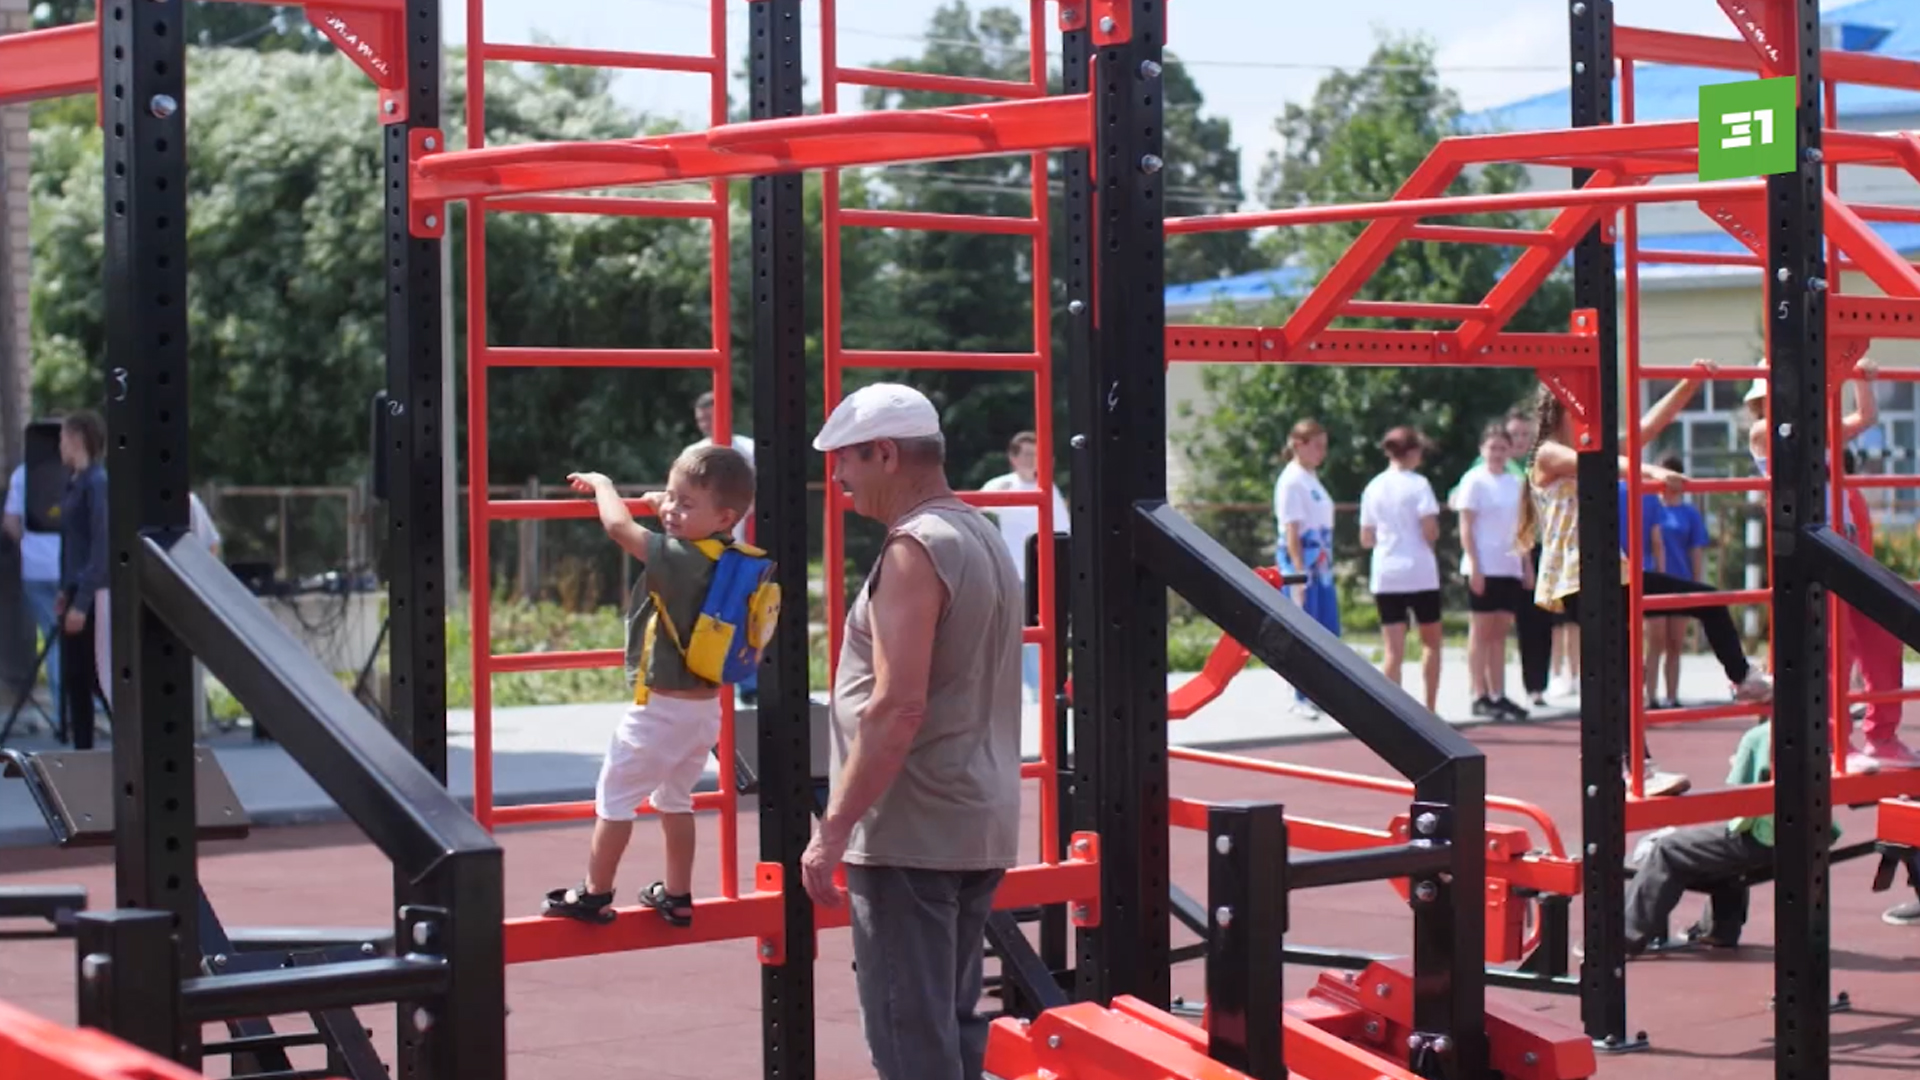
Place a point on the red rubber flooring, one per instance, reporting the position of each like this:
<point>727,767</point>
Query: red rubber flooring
<point>693,1012</point>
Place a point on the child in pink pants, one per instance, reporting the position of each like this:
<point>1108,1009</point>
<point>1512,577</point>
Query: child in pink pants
<point>1879,655</point>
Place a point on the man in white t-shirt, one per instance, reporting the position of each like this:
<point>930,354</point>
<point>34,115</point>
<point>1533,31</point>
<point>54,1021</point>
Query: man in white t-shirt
<point>1018,524</point>
<point>39,573</point>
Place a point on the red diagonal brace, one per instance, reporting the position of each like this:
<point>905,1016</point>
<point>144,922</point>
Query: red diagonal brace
<point>1533,267</point>
<point>377,44</point>
<point>1578,388</point>
<point>1744,220</point>
<point>1763,23</point>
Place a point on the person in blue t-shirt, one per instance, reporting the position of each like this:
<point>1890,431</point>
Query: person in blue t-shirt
<point>1683,548</point>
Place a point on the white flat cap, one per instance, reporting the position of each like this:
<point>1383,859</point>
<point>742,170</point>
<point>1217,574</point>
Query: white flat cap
<point>1757,391</point>
<point>880,411</point>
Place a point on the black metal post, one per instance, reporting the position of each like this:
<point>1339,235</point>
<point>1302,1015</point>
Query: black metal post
<point>1119,435</point>
<point>1450,923</point>
<point>1246,930</point>
<point>129,978</point>
<point>410,430</point>
<point>409,435</point>
<point>143,97</point>
<point>1053,921</point>
<point>780,419</point>
<point>1796,346</point>
<point>1603,629</point>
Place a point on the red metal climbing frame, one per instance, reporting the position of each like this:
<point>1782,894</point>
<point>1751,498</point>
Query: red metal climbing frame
<point>1624,158</point>
<point>1037,362</point>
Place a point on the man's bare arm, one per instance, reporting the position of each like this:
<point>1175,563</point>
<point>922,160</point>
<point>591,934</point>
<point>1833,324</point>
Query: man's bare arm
<point>904,612</point>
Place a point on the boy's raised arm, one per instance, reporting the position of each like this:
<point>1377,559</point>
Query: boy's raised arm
<point>614,518</point>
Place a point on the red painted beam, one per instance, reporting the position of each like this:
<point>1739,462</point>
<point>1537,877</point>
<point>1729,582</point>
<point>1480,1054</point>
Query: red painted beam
<point>49,63</point>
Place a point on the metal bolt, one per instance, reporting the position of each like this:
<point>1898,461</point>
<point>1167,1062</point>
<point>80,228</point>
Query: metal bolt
<point>1783,275</point>
<point>1425,892</point>
<point>1223,844</point>
<point>422,1020</point>
<point>1150,164</point>
<point>430,143</point>
<point>1025,1023</point>
<point>1149,69</point>
<point>433,222</point>
<point>1579,67</point>
<point>1078,442</point>
<point>1579,9</point>
<point>1816,284</point>
<point>1082,912</point>
<point>1381,990</point>
<point>94,966</point>
<point>1267,344</point>
<point>390,107</point>
<point>766,950</point>
<point>1223,915</point>
<point>1619,973</point>
<point>1442,1045</point>
<point>367,949</point>
<point>163,105</point>
<point>1075,307</point>
<point>1107,24</point>
<point>1493,846</point>
<point>1069,15</point>
<point>422,934</point>
<point>1786,431</point>
<point>1373,1029</point>
<point>1814,154</point>
<point>220,960</point>
<point>1081,847</point>
<point>1426,823</point>
<point>1529,1058</point>
<point>1416,1042</point>
<point>1586,439</point>
<point>1593,849</point>
<point>1593,790</point>
<point>1053,1042</point>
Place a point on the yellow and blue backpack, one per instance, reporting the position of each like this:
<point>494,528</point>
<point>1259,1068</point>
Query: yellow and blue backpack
<point>736,619</point>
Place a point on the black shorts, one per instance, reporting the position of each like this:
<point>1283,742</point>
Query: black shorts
<point>1503,594</point>
<point>1394,608</point>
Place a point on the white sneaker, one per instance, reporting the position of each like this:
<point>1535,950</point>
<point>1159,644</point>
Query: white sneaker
<point>1756,687</point>
<point>1658,784</point>
<point>1861,764</point>
<point>1306,710</point>
<point>1563,687</point>
<point>1890,755</point>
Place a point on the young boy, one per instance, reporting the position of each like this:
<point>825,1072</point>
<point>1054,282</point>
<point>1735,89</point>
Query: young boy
<point>660,748</point>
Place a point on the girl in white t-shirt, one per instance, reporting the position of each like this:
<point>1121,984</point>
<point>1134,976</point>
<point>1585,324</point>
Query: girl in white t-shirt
<point>1399,521</point>
<point>1499,574</point>
<point>1303,513</point>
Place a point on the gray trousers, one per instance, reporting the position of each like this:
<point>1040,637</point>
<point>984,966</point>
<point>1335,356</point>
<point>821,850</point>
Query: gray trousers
<point>1691,856</point>
<point>918,939</point>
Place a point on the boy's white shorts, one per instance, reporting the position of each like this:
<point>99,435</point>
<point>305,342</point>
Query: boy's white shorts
<point>660,750</point>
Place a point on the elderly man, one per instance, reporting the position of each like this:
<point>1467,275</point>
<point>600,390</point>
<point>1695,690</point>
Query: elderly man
<point>925,807</point>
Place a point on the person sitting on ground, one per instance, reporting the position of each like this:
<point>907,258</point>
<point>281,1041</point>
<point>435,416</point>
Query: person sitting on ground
<point>660,748</point>
<point>1718,854</point>
<point>1553,514</point>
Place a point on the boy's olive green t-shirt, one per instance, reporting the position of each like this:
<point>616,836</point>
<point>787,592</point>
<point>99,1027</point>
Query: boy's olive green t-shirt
<point>678,572</point>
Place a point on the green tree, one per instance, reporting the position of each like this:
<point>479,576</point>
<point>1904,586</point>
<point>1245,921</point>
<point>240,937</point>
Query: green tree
<point>1359,138</point>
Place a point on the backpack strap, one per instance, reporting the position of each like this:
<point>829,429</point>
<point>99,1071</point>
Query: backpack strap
<point>712,549</point>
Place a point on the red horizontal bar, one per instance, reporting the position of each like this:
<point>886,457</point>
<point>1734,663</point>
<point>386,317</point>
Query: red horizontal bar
<point>1881,212</point>
<point>602,58</point>
<point>1004,498</point>
<point>1387,309</point>
<point>939,361</point>
<point>553,813</point>
<point>607,205</point>
<point>512,663</point>
<point>1873,316</point>
<point>1723,372</point>
<point>1703,713</point>
<point>1071,881</point>
<point>754,148</point>
<point>1262,345</point>
<point>1696,50</point>
<point>1467,204</point>
<point>753,915</point>
<point>1682,601</point>
<point>1883,482</point>
<point>938,84</point>
<point>49,63</point>
<point>1723,484</point>
<point>1858,789</point>
<point>528,357</point>
<point>1898,822</point>
<point>554,509</point>
<point>1469,234</point>
<point>1884,697</point>
<point>987,224</point>
<point>1696,258</point>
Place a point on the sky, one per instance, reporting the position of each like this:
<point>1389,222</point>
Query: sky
<point>1249,57</point>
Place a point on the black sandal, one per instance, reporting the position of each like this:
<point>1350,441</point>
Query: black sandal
<point>578,903</point>
<point>667,904</point>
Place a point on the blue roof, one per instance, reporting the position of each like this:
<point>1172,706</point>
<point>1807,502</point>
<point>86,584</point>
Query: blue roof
<point>1262,285</point>
<point>1661,92</point>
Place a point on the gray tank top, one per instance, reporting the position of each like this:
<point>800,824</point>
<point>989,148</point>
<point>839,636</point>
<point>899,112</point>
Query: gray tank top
<point>956,803</point>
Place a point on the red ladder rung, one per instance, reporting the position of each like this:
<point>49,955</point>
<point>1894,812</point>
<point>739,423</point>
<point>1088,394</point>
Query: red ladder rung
<point>577,660</point>
<point>1467,234</point>
<point>607,205</point>
<point>1395,309</point>
<point>549,813</point>
<point>534,356</point>
<point>1724,373</point>
<point>938,84</point>
<point>1703,713</point>
<point>606,58</point>
<point>1725,484</point>
<point>939,361</point>
<point>1884,483</point>
<point>553,509</point>
<point>1683,601</point>
<point>988,224</point>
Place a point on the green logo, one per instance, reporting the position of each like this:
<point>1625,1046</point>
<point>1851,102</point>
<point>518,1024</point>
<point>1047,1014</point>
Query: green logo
<point>1747,129</point>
